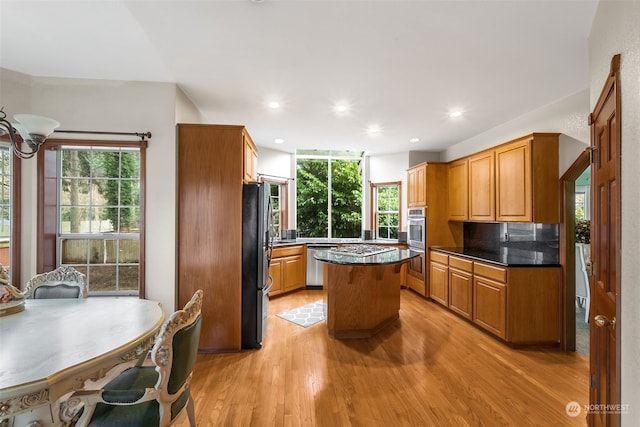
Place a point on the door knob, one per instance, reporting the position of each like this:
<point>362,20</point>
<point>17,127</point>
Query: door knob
<point>602,321</point>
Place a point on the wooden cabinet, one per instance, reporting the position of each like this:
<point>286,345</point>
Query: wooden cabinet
<point>517,304</point>
<point>527,173</point>
<point>482,190</point>
<point>209,228</point>
<point>461,286</point>
<point>417,185</point>
<point>288,269</point>
<point>514,182</point>
<point>250,159</point>
<point>439,278</point>
<point>458,190</point>
<point>490,304</point>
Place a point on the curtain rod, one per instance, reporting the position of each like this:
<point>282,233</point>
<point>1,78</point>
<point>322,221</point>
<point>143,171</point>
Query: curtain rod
<point>276,176</point>
<point>141,135</point>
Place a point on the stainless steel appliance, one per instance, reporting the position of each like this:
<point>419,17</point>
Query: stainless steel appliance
<point>417,234</point>
<point>315,268</point>
<point>257,241</point>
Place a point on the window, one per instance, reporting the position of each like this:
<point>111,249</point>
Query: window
<point>386,209</point>
<point>329,194</point>
<point>5,206</point>
<point>279,191</point>
<point>98,214</point>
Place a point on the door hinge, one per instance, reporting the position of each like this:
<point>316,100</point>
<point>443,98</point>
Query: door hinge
<point>592,381</point>
<point>591,151</point>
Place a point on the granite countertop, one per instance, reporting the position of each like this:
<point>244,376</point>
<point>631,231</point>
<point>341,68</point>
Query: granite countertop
<point>505,257</point>
<point>392,256</point>
<point>319,241</point>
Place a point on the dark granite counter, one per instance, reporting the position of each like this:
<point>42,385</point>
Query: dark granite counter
<point>506,257</point>
<point>332,242</point>
<point>392,256</point>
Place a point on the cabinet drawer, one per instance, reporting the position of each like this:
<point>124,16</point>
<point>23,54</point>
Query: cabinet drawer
<point>279,252</point>
<point>461,264</point>
<point>490,272</point>
<point>439,257</point>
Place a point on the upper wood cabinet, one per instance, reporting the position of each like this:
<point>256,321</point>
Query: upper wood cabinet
<point>417,186</point>
<point>458,190</point>
<point>482,189</point>
<point>250,158</point>
<point>527,173</point>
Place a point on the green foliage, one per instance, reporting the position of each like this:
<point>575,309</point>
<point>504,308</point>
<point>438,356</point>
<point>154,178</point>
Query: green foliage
<point>313,198</point>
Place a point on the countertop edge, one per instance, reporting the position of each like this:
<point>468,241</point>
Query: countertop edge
<point>490,261</point>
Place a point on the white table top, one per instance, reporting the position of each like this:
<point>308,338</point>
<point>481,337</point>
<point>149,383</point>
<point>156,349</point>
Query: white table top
<point>54,345</point>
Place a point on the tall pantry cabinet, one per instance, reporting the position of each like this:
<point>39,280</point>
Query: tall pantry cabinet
<point>212,166</point>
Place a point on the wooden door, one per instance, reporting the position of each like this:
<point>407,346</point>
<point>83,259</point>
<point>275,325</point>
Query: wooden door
<point>482,189</point>
<point>513,182</point>
<point>461,292</point>
<point>439,283</point>
<point>605,254</point>
<point>490,305</point>
<point>459,190</point>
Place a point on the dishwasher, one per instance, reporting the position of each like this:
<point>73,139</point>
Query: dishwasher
<point>315,267</point>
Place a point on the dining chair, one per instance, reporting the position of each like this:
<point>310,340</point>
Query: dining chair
<point>583,294</point>
<point>153,395</point>
<point>63,282</point>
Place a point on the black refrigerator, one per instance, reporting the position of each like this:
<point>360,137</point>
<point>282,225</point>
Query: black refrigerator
<point>257,240</point>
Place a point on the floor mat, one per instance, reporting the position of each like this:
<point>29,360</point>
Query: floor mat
<point>306,315</point>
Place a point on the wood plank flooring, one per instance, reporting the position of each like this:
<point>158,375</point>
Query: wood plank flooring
<point>429,368</point>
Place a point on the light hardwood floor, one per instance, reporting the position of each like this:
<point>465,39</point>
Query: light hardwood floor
<point>430,368</point>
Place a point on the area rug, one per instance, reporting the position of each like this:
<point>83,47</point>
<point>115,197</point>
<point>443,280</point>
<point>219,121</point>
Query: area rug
<point>306,315</point>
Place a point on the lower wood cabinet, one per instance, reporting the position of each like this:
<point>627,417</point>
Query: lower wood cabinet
<point>490,305</point>
<point>439,277</point>
<point>461,292</point>
<point>517,304</point>
<point>288,269</point>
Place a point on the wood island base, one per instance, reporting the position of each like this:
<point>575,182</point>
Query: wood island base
<point>361,300</point>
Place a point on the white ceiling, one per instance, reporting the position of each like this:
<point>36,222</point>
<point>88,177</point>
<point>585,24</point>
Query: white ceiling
<point>402,65</point>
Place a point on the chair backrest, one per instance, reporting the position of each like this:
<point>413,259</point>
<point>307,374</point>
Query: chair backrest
<point>174,354</point>
<point>582,280</point>
<point>63,282</point>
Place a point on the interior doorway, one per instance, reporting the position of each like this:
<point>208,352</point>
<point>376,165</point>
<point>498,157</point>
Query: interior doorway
<point>575,251</point>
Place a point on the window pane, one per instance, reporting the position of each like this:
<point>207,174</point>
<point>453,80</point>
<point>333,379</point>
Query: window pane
<point>388,215</point>
<point>128,277</point>
<point>312,197</point>
<point>346,198</point>
<point>74,251</point>
<point>102,278</point>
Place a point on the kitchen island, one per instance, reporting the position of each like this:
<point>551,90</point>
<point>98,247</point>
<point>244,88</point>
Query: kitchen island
<point>361,287</point>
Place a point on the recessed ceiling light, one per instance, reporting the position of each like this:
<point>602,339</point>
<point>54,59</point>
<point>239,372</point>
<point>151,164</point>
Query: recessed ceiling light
<point>278,141</point>
<point>341,108</point>
<point>454,114</point>
<point>374,130</point>
<point>274,104</point>
<point>414,140</point>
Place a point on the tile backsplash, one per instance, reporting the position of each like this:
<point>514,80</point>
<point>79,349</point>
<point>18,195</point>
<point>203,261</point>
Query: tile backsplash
<point>514,236</point>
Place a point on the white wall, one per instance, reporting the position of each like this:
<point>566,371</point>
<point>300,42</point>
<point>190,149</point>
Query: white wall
<point>567,116</point>
<point>109,106</point>
<point>389,168</point>
<point>615,29</point>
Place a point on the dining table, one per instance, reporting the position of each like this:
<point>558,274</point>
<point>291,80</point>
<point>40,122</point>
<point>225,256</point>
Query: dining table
<point>54,346</point>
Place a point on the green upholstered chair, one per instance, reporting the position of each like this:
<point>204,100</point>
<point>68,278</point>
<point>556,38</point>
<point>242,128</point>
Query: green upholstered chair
<point>63,282</point>
<point>150,395</point>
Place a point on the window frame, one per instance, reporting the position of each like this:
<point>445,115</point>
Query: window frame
<point>373,186</point>
<point>283,188</point>
<point>331,156</point>
<point>16,215</point>
<point>47,244</point>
